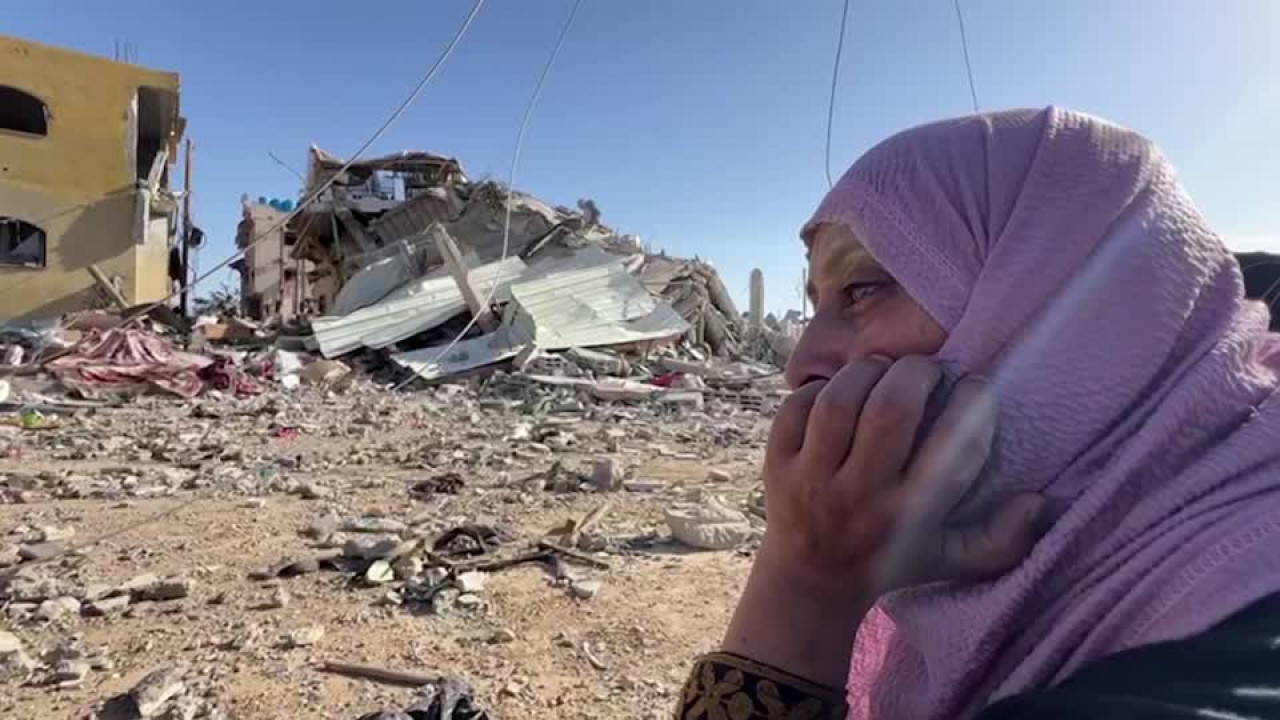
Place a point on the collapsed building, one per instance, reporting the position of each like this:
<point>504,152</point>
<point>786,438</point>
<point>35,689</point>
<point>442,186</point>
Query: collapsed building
<point>407,251</point>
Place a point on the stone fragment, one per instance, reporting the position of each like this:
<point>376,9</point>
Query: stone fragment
<point>374,547</point>
<point>15,665</point>
<point>584,589</point>
<point>58,608</point>
<point>379,572</point>
<point>313,491</point>
<point>710,526</point>
<point>305,637</point>
<point>136,584</point>
<point>154,691</point>
<point>52,533</point>
<point>279,599</point>
<point>607,475</point>
<point>68,673</point>
<point>168,589</point>
<point>301,566</point>
<point>40,552</point>
<point>107,607</point>
<point>502,636</point>
<point>370,524</point>
<point>473,582</point>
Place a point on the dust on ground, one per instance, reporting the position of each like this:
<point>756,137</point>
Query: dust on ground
<point>214,496</point>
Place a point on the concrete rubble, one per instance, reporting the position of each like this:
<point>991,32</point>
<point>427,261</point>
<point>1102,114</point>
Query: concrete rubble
<point>183,505</point>
<point>412,248</point>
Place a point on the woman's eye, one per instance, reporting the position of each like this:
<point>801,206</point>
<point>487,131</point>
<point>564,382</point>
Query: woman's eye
<point>858,292</point>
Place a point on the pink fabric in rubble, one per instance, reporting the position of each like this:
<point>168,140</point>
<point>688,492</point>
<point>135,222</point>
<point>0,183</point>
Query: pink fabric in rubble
<point>129,360</point>
<point>1137,391</point>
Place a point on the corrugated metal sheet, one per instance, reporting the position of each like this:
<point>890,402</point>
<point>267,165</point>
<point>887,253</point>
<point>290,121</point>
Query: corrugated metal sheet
<point>428,363</point>
<point>381,272</point>
<point>590,300</point>
<point>433,302</point>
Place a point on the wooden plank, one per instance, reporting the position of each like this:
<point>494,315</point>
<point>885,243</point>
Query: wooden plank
<point>110,289</point>
<point>579,556</point>
<point>458,271</point>
<point>382,675</point>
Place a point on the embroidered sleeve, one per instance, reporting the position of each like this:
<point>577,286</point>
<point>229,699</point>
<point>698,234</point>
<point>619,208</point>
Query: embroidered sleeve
<point>722,686</point>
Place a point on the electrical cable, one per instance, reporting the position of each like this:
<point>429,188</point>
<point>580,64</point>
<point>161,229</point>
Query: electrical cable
<point>511,181</point>
<point>835,77</point>
<point>968,65</point>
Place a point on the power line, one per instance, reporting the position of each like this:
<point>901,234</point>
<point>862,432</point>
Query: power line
<point>511,183</point>
<point>286,166</point>
<point>835,77</point>
<point>968,64</point>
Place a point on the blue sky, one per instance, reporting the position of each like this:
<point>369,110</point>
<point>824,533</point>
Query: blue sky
<point>698,125</point>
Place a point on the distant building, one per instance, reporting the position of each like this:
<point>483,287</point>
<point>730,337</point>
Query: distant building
<point>272,283</point>
<point>86,146</point>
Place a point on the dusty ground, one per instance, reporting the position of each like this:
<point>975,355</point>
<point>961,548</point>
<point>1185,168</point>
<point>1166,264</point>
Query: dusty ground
<point>213,490</point>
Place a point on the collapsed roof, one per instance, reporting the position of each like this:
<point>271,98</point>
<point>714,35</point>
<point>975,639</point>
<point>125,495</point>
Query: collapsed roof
<point>556,277</point>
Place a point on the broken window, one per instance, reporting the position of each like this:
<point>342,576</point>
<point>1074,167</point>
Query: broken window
<point>22,112</point>
<point>153,112</point>
<point>21,244</point>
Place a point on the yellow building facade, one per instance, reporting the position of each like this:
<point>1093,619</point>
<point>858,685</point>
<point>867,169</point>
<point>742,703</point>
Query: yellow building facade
<point>86,149</point>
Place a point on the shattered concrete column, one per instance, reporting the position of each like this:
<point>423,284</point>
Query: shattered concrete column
<point>458,270</point>
<point>720,297</point>
<point>757,299</point>
<point>718,336</point>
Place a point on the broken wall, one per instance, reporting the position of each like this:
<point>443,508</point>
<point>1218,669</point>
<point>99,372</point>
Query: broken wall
<point>76,179</point>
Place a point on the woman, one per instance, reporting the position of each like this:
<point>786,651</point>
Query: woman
<point>1031,466</point>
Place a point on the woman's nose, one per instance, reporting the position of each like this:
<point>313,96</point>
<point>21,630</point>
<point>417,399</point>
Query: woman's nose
<point>818,355</point>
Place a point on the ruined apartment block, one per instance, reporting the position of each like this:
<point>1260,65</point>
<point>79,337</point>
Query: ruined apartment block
<point>86,146</point>
<point>273,284</point>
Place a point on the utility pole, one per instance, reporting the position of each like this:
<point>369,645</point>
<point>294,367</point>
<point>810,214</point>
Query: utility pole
<point>186,233</point>
<point>804,293</point>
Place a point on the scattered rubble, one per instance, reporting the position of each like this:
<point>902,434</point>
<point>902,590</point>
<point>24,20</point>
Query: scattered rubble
<point>156,689</point>
<point>305,637</point>
<point>361,475</point>
<point>165,693</point>
<point>15,665</point>
<point>447,698</point>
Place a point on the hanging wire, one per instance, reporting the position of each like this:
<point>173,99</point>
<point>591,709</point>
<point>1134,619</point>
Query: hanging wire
<point>835,77</point>
<point>286,166</point>
<point>968,64</point>
<point>511,182</point>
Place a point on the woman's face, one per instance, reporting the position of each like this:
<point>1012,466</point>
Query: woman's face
<point>859,310</point>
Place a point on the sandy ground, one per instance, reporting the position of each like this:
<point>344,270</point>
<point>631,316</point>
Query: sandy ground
<point>620,654</point>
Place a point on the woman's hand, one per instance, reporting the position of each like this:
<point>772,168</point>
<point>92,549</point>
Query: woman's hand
<point>857,505</point>
<point>854,504</point>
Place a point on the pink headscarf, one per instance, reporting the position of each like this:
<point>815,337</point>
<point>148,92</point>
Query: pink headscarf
<point>1137,390</point>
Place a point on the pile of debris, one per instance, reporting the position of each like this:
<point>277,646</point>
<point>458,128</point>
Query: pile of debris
<point>425,275</point>
<point>413,250</point>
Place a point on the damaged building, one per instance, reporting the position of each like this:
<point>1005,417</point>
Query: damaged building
<point>88,145</point>
<point>406,248</point>
<point>273,283</point>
